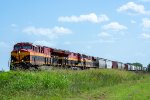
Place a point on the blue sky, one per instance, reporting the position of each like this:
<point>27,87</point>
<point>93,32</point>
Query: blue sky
<point>113,29</point>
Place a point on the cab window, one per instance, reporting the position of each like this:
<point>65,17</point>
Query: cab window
<point>22,47</point>
<point>17,47</point>
<point>27,47</point>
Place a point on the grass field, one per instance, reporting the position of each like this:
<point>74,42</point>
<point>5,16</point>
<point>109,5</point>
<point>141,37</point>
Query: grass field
<point>79,85</point>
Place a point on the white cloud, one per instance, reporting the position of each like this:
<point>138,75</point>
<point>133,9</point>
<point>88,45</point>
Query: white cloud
<point>92,17</point>
<point>14,28</point>
<point>133,8</point>
<point>104,34</point>
<point>114,26</point>
<point>146,23</point>
<point>105,37</point>
<point>115,29</point>
<point>13,25</point>
<point>44,43</point>
<point>51,33</point>
<point>146,29</point>
<point>145,36</point>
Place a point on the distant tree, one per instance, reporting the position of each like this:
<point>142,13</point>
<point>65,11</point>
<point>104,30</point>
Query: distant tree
<point>148,66</point>
<point>2,70</point>
<point>137,64</point>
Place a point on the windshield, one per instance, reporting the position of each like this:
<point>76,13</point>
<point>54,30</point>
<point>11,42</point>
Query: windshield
<point>26,47</point>
<point>22,47</point>
<point>17,47</point>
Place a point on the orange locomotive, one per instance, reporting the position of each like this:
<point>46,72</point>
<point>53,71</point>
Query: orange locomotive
<point>25,55</point>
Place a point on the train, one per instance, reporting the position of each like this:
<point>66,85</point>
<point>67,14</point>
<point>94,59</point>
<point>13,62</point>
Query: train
<point>26,55</point>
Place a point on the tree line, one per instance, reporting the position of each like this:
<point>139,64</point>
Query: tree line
<point>140,65</point>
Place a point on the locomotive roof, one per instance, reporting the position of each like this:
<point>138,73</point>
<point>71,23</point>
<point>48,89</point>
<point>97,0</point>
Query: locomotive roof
<point>23,43</point>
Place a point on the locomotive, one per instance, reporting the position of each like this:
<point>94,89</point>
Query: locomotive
<point>26,55</point>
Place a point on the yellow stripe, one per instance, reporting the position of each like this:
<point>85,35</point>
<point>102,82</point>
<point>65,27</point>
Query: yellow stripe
<point>39,54</point>
<point>72,59</point>
<point>22,54</point>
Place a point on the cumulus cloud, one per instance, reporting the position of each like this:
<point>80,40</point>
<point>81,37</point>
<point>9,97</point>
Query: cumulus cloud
<point>104,34</point>
<point>105,37</point>
<point>146,23</point>
<point>133,8</point>
<point>13,25</point>
<point>44,43</point>
<point>145,36</point>
<point>48,32</point>
<point>146,28</point>
<point>14,28</point>
<point>92,17</point>
<point>114,26</point>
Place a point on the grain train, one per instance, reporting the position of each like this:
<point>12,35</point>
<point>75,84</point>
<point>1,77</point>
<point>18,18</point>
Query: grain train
<point>26,55</point>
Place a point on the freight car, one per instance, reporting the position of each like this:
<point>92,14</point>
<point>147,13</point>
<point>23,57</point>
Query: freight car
<point>26,55</point>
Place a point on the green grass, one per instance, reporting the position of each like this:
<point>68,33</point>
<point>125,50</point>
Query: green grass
<point>130,90</point>
<point>69,84</point>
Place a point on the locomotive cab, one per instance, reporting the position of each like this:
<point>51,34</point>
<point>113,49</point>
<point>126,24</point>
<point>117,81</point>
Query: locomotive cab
<point>26,55</point>
<point>21,55</point>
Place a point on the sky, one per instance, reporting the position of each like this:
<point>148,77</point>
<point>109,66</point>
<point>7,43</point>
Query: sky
<point>114,29</point>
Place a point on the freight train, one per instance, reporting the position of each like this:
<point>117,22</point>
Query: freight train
<point>26,55</point>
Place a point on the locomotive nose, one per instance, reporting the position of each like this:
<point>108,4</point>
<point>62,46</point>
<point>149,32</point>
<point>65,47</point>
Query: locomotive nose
<point>19,56</point>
